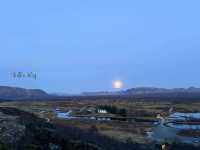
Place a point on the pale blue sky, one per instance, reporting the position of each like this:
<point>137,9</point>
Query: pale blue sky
<point>83,45</point>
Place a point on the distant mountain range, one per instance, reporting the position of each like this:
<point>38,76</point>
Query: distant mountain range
<point>15,93</point>
<point>148,91</point>
<point>152,90</point>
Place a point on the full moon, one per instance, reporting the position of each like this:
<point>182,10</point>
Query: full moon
<point>117,84</point>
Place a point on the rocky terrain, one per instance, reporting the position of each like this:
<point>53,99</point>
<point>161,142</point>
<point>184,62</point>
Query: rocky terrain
<point>20,130</point>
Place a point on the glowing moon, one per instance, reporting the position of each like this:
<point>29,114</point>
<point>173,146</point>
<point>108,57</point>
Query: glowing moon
<point>117,84</point>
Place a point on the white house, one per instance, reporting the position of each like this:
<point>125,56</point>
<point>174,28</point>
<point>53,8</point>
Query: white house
<point>102,111</point>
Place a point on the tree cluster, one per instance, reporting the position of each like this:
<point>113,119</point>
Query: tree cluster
<point>114,110</point>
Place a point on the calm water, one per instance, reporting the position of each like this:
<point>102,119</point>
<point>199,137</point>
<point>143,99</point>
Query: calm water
<point>182,116</point>
<point>168,131</point>
<point>64,115</point>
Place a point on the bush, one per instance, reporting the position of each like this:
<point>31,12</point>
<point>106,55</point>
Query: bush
<point>93,129</point>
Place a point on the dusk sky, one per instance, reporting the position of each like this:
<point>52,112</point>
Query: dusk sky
<point>84,45</point>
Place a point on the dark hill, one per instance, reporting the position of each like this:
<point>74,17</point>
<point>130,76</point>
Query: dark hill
<point>15,93</point>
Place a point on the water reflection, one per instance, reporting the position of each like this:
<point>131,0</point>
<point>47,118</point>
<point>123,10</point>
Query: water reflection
<point>168,128</point>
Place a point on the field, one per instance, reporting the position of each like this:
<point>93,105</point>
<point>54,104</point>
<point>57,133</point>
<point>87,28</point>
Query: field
<point>141,115</point>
